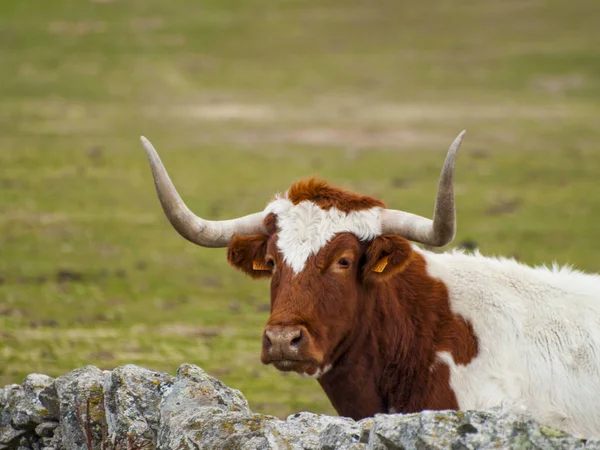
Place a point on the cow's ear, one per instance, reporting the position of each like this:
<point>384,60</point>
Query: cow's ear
<point>247,253</point>
<point>386,256</point>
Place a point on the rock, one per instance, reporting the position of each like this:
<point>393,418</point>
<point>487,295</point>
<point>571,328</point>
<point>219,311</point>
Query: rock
<point>194,387</point>
<point>35,383</point>
<point>21,411</point>
<point>212,428</point>
<point>46,429</point>
<point>29,442</point>
<point>136,408</point>
<point>8,435</point>
<point>132,396</point>
<point>81,400</point>
<point>49,399</point>
<point>493,428</point>
<point>56,441</point>
<point>312,431</point>
<point>189,402</point>
<point>25,408</point>
<point>21,408</point>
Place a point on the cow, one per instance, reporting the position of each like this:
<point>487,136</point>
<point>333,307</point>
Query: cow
<point>386,326</point>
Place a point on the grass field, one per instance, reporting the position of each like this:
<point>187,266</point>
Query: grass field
<point>241,98</point>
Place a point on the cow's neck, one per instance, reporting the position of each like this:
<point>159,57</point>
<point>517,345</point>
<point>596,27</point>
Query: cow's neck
<point>392,366</point>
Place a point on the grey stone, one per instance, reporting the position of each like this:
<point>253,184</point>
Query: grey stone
<point>194,387</point>
<point>24,406</point>
<point>29,442</point>
<point>9,437</point>
<point>82,417</point>
<point>49,399</point>
<point>135,408</point>
<point>47,441</point>
<point>132,396</point>
<point>189,402</point>
<point>312,431</point>
<point>56,441</point>
<point>46,429</point>
<point>212,428</point>
<point>19,407</point>
<point>35,383</point>
<point>489,429</point>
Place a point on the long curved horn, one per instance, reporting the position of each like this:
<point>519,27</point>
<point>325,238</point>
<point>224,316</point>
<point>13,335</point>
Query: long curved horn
<point>442,229</point>
<point>206,233</point>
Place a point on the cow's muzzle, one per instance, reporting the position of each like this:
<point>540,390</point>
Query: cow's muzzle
<point>283,343</point>
<point>292,348</point>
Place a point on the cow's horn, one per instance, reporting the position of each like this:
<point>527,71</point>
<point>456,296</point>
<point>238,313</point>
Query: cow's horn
<point>206,233</point>
<point>442,229</point>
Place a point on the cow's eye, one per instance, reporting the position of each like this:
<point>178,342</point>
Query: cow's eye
<point>270,262</point>
<point>344,263</point>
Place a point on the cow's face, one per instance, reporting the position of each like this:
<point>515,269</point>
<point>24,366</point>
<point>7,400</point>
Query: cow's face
<point>322,245</point>
<point>321,276</point>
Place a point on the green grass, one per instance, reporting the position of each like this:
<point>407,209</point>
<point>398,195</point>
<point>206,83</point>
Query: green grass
<point>241,98</point>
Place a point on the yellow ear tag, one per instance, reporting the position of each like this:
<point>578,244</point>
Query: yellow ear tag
<point>381,265</point>
<point>260,266</point>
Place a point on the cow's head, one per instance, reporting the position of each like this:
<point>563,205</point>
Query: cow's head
<point>323,247</point>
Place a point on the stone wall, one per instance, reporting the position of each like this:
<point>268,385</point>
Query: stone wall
<point>135,408</point>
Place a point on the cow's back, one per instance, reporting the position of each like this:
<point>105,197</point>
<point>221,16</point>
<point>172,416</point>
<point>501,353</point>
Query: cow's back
<point>538,332</point>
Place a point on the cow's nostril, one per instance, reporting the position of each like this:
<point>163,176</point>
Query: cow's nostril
<point>283,342</point>
<point>266,340</point>
<point>296,340</point>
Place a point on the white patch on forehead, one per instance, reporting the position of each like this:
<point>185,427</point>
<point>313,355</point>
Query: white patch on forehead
<point>306,228</point>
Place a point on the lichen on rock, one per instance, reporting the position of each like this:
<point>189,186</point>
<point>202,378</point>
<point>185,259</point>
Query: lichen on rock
<point>132,407</point>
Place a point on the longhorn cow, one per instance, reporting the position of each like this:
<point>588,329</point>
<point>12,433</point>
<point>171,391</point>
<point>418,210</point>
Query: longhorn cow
<point>385,326</point>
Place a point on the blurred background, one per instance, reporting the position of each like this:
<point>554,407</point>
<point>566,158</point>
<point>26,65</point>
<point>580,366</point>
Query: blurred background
<point>241,98</point>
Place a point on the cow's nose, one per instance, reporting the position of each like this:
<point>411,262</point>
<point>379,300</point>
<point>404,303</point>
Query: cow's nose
<point>283,342</point>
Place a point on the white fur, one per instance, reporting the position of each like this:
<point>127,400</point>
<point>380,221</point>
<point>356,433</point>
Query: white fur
<point>306,228</point>
<point>539,338</point>
<point>319,373</point>
<point>538,329</point>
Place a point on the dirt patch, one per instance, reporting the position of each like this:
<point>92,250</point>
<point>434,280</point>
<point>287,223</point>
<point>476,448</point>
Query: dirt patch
<point>346,122</point>
<point>75,334</point>
<point>560,84</point>
<point>50,323</point>
<point>180,330</point>
<point>64,276</point>
<point>49,218</point>
<point>210,281</point>
<point>80,28</point>
<point>147,24</point>
<point>345,109</point>
<point>229,111</point>
<point>101,355</point>
<point>353,138</point>
<point>503,207</point>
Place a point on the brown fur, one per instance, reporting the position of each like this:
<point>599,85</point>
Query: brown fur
<point>327,196</point>
<point>390,359</point>
<point>379,331</point>
<point>411,322</point>
<point>243,251</point>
